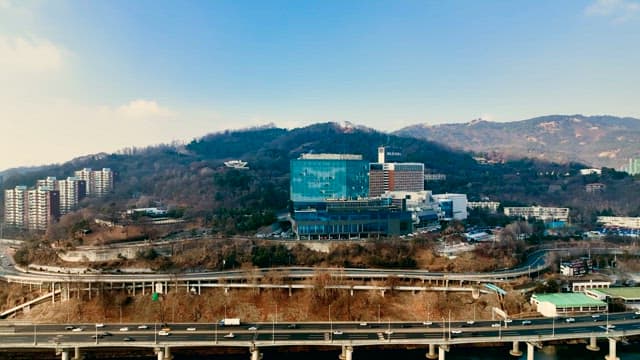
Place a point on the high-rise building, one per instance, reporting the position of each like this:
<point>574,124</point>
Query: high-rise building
<point>48,182</point>
<point>15,206</point>
<point>394,176</point>
<point>43,206</point>
<point>72,191</point>
<point>98,182</point>
<point>316,178</point>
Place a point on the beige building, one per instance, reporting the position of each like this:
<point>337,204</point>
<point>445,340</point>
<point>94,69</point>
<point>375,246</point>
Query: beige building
<point>98,182</point>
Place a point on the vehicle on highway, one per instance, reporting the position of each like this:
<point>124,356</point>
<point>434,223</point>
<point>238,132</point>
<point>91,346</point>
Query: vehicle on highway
<point>230,336</point>
<point>427,323</point>
<point>253,328</point>
<point>165,328</point>
<point>69,327</point>
<point>470,322</point>
<point>292,326</point>
<point>338,332</point>
<point>570,320</point>
<point>508,321</point>
<point>128,338</point>
<point>230,322</point>
<point>99,325</point>
<point>77,329</point>
<point>526,322</point>
<point>388,332</point>
<point>163,333</point>
<point>191,329</point>
<point>595,317</point>
<point>609,326</point>
<point>124,329</point>
<point>143,327</point>
<point>496,325</point>
<point>106,333</point>
<point>456,331</point>
<point>364,324</point>
<point>98,336</point>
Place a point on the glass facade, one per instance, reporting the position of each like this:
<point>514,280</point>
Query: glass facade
<point>316,180</point>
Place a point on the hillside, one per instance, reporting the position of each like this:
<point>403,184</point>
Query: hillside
<point>594,140</point>
<point>193,179</point>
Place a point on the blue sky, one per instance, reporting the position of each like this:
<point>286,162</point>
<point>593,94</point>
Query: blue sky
<point>91,76</point>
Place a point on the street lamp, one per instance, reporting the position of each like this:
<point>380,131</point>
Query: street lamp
<point>449,324</point>
<point>35,334</point>
<point>330,325</point>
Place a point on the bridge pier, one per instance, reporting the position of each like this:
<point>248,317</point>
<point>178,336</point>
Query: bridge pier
<point>432,352</point>
<point>442,349</point>
<point>593,345</point>
<point>255,354</point>
<point>64,354</point>
<point>515,351</point>
<point>530,351</point>
<point>159,353</point>
<point>612,350</point>
<point>346,354</point>
<point>77,354</point>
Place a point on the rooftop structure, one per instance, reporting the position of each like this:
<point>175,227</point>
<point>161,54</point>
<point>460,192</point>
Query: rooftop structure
<point>590,171</point>
<point>236,164</point>
<point>489,205</point>
<point>620,221</point>
<point>331,157</point>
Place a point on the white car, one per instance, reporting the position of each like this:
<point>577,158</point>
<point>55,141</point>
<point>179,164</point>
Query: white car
<point>508,321</point>
<point>191,329</point>
<point>570,320</point>
<point>124,329</point>
<point>77,329</point>
<point>427,323</point>
<point>99,325</point>
<point>495,325</point>
<point>253,328</point>
<point>143,327</point>
<point>456,331</point>
<point>470,322</point>
<point>230,336</point>
<point>338,332</point>
<point>163,333</point>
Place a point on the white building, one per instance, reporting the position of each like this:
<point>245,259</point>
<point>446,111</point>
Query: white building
<point>43,207</point>
<point>15,206</point>
<point>424,209</point>
<point>545,214</point>
<point>72,191</point>
<point>562,304</point>
<point>98,182</point>
<point>590,171</point>
<point>620,221</point>
<point>453,206</point>
<point>489,205</point>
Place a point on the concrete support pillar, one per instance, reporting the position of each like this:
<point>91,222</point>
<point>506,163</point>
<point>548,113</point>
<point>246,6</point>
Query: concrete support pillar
<point>89,291</point>
<point>255,354</point>
<point>53,292</point>
<point>441,352</point>
<point>167,353</point>
<point>432,352</point>
<point>289,290</point>
<point>530,351</point>
<point>64,354</point>
<point>134,289</point>
<point>348,353</point>
<point>382,293</point>
<point>159,353</point>
<point>77,353</point>
<point>198,287</point>
<point>515,351</point>
<point>593,345</point>
<point>143,288</point>
<point>612,350</point>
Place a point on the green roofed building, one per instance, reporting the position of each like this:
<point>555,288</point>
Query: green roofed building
<point>559,304</point>
<point>630,296</point>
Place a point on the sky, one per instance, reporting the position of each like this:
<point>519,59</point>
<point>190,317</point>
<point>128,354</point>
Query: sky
<point>82,77</point>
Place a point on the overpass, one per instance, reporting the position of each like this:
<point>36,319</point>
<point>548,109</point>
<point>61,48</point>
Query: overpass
<point>346,336</point>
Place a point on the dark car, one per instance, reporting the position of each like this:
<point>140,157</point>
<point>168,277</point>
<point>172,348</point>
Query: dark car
<point>128,338</point>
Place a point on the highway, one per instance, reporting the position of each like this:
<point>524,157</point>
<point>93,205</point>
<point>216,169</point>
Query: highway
<point>318,333</point>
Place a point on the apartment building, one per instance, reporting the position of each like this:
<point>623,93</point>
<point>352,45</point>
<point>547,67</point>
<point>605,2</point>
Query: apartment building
<point>72,191</point>
<point>546,214</point>
<point>15,206</point>
<point>98,182</point>
<point>43,207</point>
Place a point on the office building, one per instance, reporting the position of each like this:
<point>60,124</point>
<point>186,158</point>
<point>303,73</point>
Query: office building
<point>425,211</point>
<point>43,207</point>
<point>351,219</point>
<point>316,178</point>
<point>453,206</point>
<point>98,182</point>
<point>15,207</point>
<point>72,191</point>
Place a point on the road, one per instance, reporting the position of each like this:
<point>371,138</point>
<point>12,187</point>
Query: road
<point>318,333</point>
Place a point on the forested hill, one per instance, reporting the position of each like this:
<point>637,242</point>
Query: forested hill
<point>193,176</point>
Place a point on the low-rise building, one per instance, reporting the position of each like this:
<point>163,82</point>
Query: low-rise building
<point>562,304</point>
<point>546,214</point>
<point>630,296</point>
<point>489,205</point>
<point>619,221</point>
<point>453,206</point>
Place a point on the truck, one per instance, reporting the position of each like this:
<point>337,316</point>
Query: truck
<point>230,322</point>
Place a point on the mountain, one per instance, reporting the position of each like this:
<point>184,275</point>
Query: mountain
<point>601,141</point>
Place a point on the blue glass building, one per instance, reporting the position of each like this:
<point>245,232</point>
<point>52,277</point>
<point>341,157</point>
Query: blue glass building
<point>316,178</point>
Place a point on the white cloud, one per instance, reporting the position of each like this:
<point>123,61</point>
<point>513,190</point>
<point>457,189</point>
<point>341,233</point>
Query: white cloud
<point>143,109</point>
<point>618,10</point>
<point>29,55</point>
